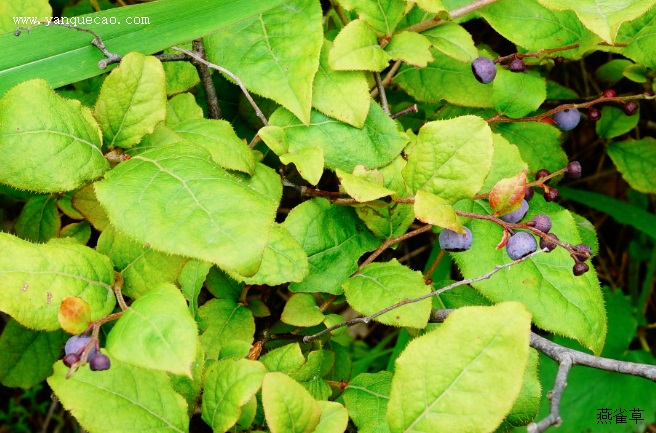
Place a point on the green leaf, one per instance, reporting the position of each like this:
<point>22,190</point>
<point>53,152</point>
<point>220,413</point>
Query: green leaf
<point>641,47</point>
<point>156,332</point>
<point>231,232</point>
<point>182,107</point>
<point>191,281</point>
<point>356,49</point>
<point>333,239</point>
<point>445,78</point>
<point>288,407</point>
<point>286,359</point>
<point>434,6</point>
<point>65,204</point>
<point>319,363</point>
<point>360,188</point>
<point>366,398</point>
<point>37,277</point>
<point>382,15</point>
<point>218,137</point>
<point>81,232</point>
<point>611,72</point>
<point>12,9</point>
<point>432,209</point>
<point>441,161</point>
<point>450,395</point>
<point>284,260</point>
<point>229,385</point>
<point>380,285</point>
<point>518,94</point>
<point>131,398</point>
<point>180,76</point>
<point>161,136</point>
<point>614,122</point>
<point>343,95</point>
<point>188,387</point>
<point>39,219</point>
<point>27,355</point>
<point>376,144</point>
<point>506,162</point>
<point>275,54</point>
<point>73,58</point>
<point>223,321</point>
<point>302,310</point>
<point>636,73</point>
<point>308,161</point>
<point>453,40</point>
<point>527,404</point>
<point>132,100</point>
<point>58,150</point>
<point>221,286</point>
<point>141,267</point>
<point>601,17</point>
<point>635,159</point>
<point>538,144</point>
<point>85,202</point>
<point>334,418</point>
<point>534,27</point>
<point>410,47</point>
<point>559,301</point>
<point>622,212</point>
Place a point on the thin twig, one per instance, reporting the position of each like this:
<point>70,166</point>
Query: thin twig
<point>456,13</point>
<point>411,109</point>
<point>213,108</point>
<point>116,288</point>
<point>554,419</point>
<point>381,92</point>
<point>388,243</point>
<point>258,112</point>
<point>388,77</point>
<point>367,319</point>
<point>434,265</point>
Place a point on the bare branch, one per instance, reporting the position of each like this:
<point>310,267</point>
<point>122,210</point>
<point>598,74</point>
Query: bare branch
<point>213,108</point>
<point>554,395</point>
<point>381,92</point>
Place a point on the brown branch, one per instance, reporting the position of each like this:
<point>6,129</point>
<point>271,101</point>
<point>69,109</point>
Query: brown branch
<point>213,108</point>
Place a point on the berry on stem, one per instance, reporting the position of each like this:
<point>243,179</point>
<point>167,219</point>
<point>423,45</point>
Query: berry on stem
<point>455,242</point>
<point>484,69</point>
<point>528,193</point>
<point>517,215</point>
<point>580,268</point>
<point>630,108</point>
<point>542,222</point>
<point>550,194</point>
<point>567,119</point>
<point>517,65</point>
<point>70,359</point>
<point>521,244</point>
<point>550,246</point>
<point>594,114</point>
<point>573,170</point>
<point>609,93</point>
<point>76,344</point>
<point>99,362</point>
<point>542,173</point>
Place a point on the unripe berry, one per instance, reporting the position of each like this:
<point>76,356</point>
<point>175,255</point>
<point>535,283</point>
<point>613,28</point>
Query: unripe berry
<point>455,242</point>
<point>580,268</point>
<point>99,362</point>
<point>566,120</point>
<point>574,170</point>
<point>517,65</point>
<point>550,194</point>
<point>630,108</point>
<point>550,246</point>
<point>521,244</point>
<point>609,93</point>
<point>516,215</point>
<point>542,222</point>
<point>594,114</point>
<point>484,69</point>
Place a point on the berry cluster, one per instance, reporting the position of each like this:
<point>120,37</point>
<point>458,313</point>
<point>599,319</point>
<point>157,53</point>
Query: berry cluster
<point>630,107</point>
<point>522,243</point>
<point>75,347</point>
<point>485,71</point>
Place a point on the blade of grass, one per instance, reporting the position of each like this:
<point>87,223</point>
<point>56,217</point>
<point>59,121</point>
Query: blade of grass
<point>62,56</point>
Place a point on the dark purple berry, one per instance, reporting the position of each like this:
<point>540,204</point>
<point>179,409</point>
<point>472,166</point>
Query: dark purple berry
<point>573,170</point>
<point>550,246</point>
<point>582,252</point>
<point>630,108</point>
<point>99,362</point>
<point>542,222</point>
<point>559,61</point>
<point>484,69</point>
<point>580,268</point>
<point>594,114</point>
<point>609,93</point>
<point>521,244</point>
<point>517,65</point>
<point>542,173</point>
<point>516,215</point>
<point>70,359</point>
<point>528,193</point>
<point>648,92</point>
<point>455,242</point>
<point>550,194</point>
<point>566,120</point>
<point>76,345</point>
